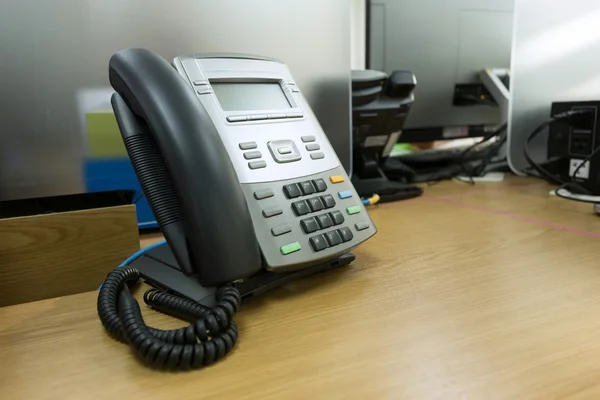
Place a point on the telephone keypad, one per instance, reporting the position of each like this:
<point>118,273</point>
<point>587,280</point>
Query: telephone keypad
<point>315,204</point>
<point>338,217</point>
<point>320,185</point>
<point>333,238</point>
<point>346,234</point>
<point>324,221</point>
<point>318,243</point>
<point>300,208</point>
<point>307,187</point>
<point>292,191</point>
<point>328,200</point>
<point>309,225</point>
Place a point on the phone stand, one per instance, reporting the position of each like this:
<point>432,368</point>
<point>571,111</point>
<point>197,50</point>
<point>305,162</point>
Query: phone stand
<point>159,268</point>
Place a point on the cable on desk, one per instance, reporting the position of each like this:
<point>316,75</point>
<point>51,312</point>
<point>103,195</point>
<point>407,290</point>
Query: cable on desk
<point>209,337</point>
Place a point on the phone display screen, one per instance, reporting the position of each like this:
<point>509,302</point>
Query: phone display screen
<point>246,96</point>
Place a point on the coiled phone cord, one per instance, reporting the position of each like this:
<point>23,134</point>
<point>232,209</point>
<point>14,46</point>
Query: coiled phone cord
<point>212,333</point>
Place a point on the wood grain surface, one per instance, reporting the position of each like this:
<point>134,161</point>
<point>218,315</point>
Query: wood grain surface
<point>52,255</point>
<point>469,292</point>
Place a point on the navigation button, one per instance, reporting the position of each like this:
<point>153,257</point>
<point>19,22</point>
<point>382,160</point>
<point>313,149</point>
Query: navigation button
<point>284,150</point>
<point>318,243</point>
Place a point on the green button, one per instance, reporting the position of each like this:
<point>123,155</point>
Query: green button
<point>353,210</point>
<point>290,248</point>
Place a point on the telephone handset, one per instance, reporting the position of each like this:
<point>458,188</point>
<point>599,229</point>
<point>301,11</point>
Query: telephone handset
<point>240,177</point>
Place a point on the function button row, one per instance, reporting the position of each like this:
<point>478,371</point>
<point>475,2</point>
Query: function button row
<point>263,194</point>
<point>345,194</point>
<point>257,164</point>
<point>251,155</point>
<point>315,204</point>
<point>330,239</point>
<point>248,145</point>
<point>271,212</point>
<point>304,188</point>
<point>290,248</point>
<point>324,221</point>
<point>281,230</point>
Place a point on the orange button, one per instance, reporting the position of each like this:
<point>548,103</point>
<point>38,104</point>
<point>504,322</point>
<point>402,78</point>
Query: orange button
<point>336,179</point>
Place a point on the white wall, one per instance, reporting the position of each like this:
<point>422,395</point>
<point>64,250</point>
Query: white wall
<point>556,57</point>
<point>358,33</point>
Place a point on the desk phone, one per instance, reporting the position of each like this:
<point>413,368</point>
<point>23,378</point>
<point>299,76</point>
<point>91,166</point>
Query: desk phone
<point>240,176</point>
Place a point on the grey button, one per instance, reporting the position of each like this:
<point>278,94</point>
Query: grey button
<point>271,212</point>
<point>251,155</point>
<point>204,91</point>
<point>281,230</point>
<point>284,150</point>
<point>361,226</point>
<point>200,83</point>
<point>237,118</point>
<point>317,156</point>
<point>295,90</point>
<point>280,158</point>
<point>295,115</point>
<point>263,194</point>
<point>313,147</point>
<point>257,117</point>
<point>277,116</point>
<point>307,139</point>
<point>248,145</point>
<point>257,164</point>
<point>292,83</point>
<point>318,243</point>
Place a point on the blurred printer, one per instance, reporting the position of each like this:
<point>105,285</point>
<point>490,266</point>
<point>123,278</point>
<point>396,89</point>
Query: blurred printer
<point>380,105</point>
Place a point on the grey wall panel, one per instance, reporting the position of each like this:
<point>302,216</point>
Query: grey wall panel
<point>556,57</point>
<point>54,56</point>
<point>443,42</point>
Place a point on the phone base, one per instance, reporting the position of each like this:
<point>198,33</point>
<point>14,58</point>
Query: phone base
<point>159,268</point>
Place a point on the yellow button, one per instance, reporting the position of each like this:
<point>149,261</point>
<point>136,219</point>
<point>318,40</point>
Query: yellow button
<point>336,179</point>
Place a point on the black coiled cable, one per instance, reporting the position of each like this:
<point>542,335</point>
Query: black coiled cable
<point>209,337</point>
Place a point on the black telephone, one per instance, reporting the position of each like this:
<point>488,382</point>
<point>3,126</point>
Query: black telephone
<point>241,179</point>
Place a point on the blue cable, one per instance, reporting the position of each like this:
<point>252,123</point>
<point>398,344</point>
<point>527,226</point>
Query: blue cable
<point>138,254</point>
<point>366,202</point>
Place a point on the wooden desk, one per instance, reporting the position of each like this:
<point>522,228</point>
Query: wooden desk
<point>482,292</point>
